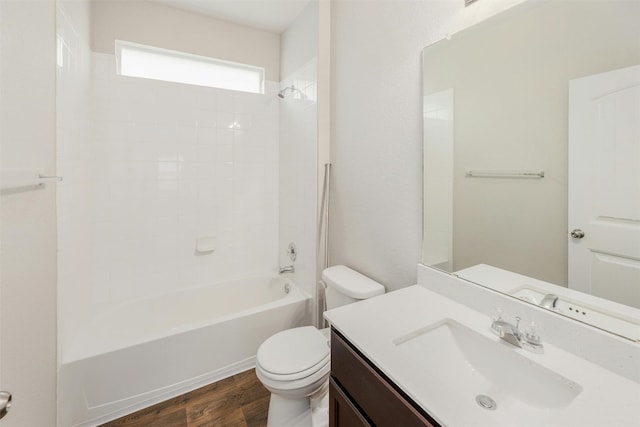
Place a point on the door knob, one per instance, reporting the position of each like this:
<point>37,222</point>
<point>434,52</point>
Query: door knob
<point>577,233</point>
<point>5,403</point>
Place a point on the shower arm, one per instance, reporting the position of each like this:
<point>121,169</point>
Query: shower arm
<point>293,90</point>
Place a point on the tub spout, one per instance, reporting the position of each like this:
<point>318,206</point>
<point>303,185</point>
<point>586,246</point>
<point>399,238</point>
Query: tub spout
<point>287,269</point>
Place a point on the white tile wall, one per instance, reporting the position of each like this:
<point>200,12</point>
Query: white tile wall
<point>299,145</point>
<point>298,173</point>
<point>172,163</point>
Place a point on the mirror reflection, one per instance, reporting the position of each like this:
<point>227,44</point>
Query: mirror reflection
<point>532,158</point>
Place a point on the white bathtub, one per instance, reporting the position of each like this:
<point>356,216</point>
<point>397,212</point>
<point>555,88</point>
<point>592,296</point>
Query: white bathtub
<point>146,351</point>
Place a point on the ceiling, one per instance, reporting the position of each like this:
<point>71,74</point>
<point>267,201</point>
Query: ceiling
<point>271,15</point>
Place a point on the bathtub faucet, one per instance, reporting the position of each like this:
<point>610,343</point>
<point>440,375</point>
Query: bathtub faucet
<point>287,269</point>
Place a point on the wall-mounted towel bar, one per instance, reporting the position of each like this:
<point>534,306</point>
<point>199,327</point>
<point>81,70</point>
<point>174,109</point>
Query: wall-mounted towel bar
<point>20,178</point>
<point>537,174</point>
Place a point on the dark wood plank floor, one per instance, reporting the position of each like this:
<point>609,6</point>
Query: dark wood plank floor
<point>237,401</point>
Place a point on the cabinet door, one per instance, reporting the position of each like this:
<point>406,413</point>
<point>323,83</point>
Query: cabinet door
<point>342,413</point>
<point>373,393</point>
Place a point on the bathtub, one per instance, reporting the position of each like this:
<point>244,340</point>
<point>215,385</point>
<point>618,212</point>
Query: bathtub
<point>142,352</point>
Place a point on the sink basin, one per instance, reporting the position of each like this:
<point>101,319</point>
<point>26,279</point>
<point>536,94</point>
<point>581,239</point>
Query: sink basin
<point>481,367</point>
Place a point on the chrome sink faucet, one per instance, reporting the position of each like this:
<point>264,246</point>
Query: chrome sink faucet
<point>528,340</point>
<point>549,301</point>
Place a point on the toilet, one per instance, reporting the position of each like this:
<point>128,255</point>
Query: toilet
<point>294,364</point>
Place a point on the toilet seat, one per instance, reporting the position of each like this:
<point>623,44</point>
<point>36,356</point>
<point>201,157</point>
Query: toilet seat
<point>294,354</point>
<point>324,365</point>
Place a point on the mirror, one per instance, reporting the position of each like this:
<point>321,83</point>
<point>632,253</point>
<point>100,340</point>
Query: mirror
<point>515,155</point>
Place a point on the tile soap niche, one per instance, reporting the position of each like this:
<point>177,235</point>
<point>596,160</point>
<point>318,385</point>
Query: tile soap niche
<point>205,244</point>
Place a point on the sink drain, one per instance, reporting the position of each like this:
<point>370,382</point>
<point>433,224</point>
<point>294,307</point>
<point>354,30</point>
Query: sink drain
<point>486,402</point>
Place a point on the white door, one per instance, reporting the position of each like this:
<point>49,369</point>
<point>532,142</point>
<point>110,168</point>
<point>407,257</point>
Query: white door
<point>604,185</point>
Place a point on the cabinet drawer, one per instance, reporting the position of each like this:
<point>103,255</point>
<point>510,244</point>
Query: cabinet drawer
<point>372,393</point>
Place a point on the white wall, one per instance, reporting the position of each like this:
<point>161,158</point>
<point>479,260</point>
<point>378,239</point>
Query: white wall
<point>74,154</point>
<point>376,148</point>
<point>299,145</point>
<point>299,43</point>
<point>438,161</point>
<point>163,26</point>
<point>28,218</point>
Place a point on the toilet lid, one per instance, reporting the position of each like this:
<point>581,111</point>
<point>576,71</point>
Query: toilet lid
<point>293,351</point>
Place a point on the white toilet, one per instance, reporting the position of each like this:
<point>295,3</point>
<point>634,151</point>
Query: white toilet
<point>294,364</point>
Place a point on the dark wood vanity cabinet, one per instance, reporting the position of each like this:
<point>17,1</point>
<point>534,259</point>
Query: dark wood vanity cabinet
<point>360,395</point>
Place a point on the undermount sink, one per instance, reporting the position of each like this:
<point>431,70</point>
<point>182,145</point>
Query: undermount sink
<point>492,373</point>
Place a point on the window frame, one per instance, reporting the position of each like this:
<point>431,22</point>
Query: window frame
<point>184,78</point>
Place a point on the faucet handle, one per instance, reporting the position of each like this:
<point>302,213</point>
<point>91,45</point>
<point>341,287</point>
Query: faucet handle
<point>531,334</point>
<point>497,322</point>
<point>499,326</point>
<point>518,319</point>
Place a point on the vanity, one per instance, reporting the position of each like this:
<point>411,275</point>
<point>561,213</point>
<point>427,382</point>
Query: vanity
<point>414,357</point>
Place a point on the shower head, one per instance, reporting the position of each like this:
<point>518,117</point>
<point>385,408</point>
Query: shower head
<point>294,90</point>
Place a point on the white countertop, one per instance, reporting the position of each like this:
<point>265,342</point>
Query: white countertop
<point>606,399</point>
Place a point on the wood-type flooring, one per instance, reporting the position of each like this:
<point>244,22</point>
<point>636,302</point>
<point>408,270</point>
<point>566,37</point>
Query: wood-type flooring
<point>237,401</point>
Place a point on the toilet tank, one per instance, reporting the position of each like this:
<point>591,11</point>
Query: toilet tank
<point>345,286</point>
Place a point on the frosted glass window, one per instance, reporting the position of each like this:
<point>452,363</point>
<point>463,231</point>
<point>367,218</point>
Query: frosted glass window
<point>136,60</point>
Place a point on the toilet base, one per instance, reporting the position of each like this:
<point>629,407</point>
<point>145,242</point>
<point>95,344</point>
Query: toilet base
<point>320,412</point>
<point>284,412</point>
<point>311,411</point>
